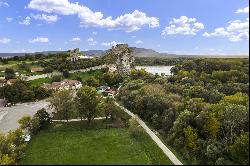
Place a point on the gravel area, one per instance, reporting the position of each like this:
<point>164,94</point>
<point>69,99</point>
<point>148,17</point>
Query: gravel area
<point>9,116</point>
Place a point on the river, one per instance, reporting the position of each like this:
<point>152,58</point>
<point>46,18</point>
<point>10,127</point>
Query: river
<point>156,69</point>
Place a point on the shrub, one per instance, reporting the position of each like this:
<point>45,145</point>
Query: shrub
<point>135,129</point>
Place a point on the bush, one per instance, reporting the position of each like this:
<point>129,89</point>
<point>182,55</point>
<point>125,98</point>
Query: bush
<point>12,147</point>
<point>44,117</point>
<point>40,120</point>
<point>135,129</point>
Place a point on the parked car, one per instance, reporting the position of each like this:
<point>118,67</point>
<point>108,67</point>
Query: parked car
<point>8,105</point>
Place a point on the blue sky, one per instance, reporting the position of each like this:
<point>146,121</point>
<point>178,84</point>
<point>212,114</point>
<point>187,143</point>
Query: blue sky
<point>173,26</point>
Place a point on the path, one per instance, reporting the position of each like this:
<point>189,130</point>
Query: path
<point>9,116</point>
<point>169,154</point>
<point>29,78</point>
<point>76,120</point>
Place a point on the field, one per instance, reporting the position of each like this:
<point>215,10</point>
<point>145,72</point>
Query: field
<point>74,76</point>
<point>71,144</point>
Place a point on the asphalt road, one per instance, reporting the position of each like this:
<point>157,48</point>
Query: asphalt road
<point>9,116</point>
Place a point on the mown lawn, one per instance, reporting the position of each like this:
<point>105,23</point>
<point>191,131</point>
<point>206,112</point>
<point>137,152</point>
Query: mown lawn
<point>82,75</point>
<point>86,75</point>
<point>70,143</point>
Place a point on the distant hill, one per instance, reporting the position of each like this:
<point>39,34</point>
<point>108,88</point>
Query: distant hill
<point>143,52</point>
<point>137,52</point>
<point>94,52</point>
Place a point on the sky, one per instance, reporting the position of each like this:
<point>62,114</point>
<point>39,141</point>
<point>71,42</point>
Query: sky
<point>171,26</point>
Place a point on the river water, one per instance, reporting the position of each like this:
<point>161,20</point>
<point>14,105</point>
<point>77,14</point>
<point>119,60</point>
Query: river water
<point>156,69</point>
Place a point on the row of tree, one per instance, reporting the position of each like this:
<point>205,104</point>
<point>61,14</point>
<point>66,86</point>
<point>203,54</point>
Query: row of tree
<point>21,91</point>
<point>85,104</point>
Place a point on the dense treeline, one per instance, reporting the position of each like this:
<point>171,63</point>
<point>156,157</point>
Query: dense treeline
<point>202,111</point>
<point>21,91</point>
<point>61,64</point>
<point>33,57</point>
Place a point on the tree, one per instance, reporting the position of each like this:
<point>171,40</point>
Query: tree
<point>25,122</point>
<point>87,100</point>
<point>9,73</point>
<point>57,78</point>
<point>41,92</point>
<point>48,69</point>
<point>211,127</point>
<point>44,117</point>
<point>5,159</point>
<point>65,73</point>
<point>62,102</point>
<point>190,138</point>
<point>92,81</point>
<point>240,149</point>
<point>135,129</point>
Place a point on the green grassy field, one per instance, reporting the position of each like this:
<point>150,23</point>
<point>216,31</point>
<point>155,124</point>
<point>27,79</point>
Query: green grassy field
<point>82,75</point>
<point>71,144</point>
<point>86,75</point>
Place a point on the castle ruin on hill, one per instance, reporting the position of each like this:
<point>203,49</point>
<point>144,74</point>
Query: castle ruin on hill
<point>123,60</point>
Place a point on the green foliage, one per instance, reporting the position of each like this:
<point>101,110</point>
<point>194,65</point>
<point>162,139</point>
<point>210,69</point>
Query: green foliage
<point>240,149</point>
<point>86,101</point>
<point>12,147</point>
<point>9,74</point>
<point>238,98</point>
<point>112,78</point>
<point>56,78</point>
<point>190,136</point>
<point>200,110</point>
<point>62,102</point>
<point>21,91</point>
<point>135,129</point>
<point>92,81</point>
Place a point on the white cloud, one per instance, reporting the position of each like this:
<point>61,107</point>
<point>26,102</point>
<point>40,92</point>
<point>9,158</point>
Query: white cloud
<point>4,4</point>
<point>211,49</point>
<point>108,44</point>
<point>128,22</point>
<point>39,40</point>
<point>236,31</point>
<point>91,41</point>
<point>244,10</point>
<point>26,21</point>
<point>47,18</point>
<point>75,39</point>
<point>9,19</point>
<point>5,40</point>
<point>139,42</point>
<point>133,36</point>
<point>183,26</point>
<point>94,33</point>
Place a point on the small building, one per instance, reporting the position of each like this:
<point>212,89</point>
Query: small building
<point>65,84</point>
<point>36,69</point>
<point>75,55</point>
